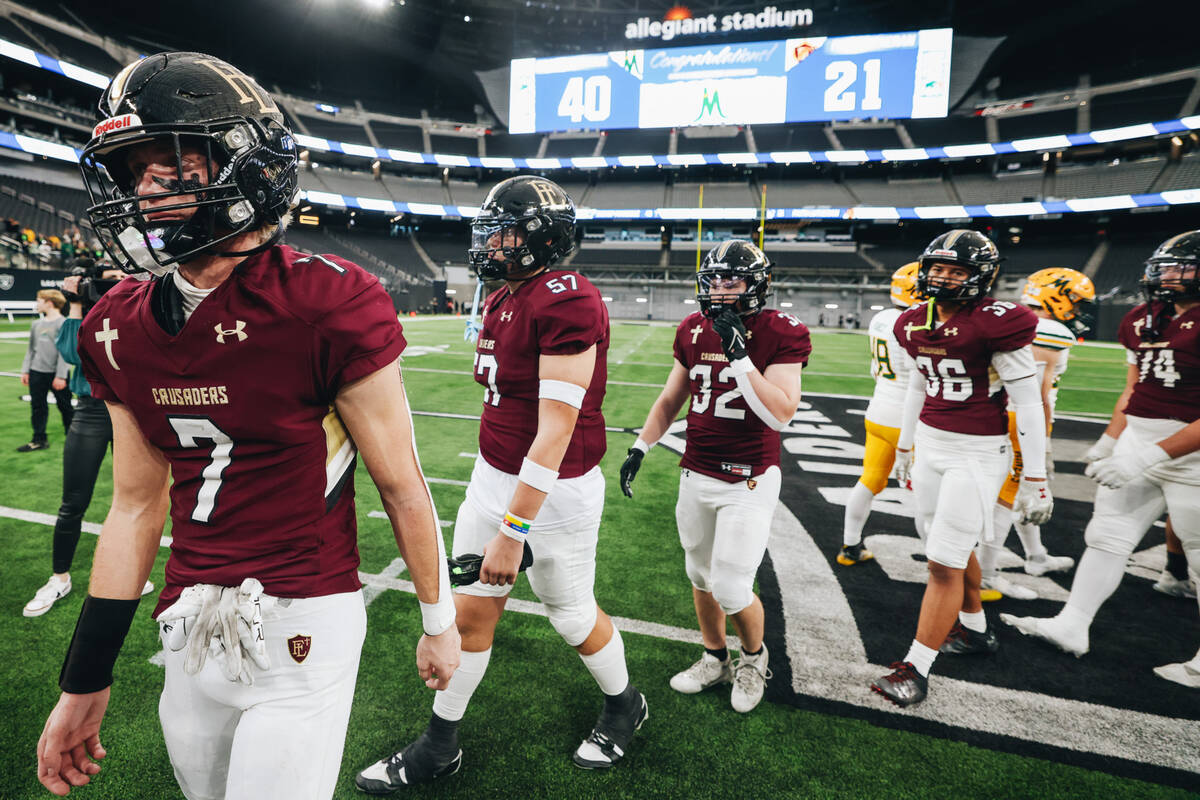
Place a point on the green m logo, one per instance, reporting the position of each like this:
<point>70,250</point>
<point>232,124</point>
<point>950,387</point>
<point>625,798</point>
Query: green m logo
<point>710,106</point>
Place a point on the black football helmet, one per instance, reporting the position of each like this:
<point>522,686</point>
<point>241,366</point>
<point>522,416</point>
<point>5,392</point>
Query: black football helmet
<point>184,101</point>
<point>1181,252</point>
<point>734,259</point>
<point>526,223</point>
<point>962,248</point>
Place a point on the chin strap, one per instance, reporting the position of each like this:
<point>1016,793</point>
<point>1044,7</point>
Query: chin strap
<point>474,327</point>
<point>269,243</point>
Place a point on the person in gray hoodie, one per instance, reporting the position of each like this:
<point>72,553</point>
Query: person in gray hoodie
<point>44,370</point>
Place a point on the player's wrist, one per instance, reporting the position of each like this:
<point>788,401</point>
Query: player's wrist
<point>640,446</point>
<point>99,633</point>
<point>515,527</point>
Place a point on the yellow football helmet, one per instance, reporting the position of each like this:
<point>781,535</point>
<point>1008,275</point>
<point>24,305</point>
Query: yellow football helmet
<point>904,285</point>
<point>1059,290</point>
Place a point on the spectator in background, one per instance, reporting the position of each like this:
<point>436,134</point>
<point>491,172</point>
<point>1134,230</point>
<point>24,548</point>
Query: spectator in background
<point>44,369</point>
<point>87,441</point>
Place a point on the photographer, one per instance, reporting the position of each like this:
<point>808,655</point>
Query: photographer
<point>87,439</point>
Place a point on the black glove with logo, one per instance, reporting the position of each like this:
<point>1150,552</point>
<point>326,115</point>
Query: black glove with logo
<point>732,330</point>
<point>464,570</point>
<point>629,470</point>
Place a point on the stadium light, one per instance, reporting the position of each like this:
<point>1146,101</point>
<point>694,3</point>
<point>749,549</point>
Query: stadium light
<point>640,300</point>
<point>877,308</point>
<point>466,17</point>
<point>831,305</point>
<point>687,301</point>
<point>785,305</point>
<point>606,299</point>
<point>452,291</point>
<point>376,5</point>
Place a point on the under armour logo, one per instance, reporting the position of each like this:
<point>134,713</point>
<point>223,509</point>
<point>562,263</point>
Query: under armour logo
<point>696,331</point>
<point>238,330</point>
<point>952,331</point>
<point>505,316</point>
<point>107,335</point>
<point>1187,326</point>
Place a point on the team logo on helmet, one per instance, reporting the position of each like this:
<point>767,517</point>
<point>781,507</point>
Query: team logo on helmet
<point>727,264</point>
<point>1058,290</point>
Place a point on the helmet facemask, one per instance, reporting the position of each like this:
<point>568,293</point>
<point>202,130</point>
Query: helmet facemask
<point>1163,275</point>
<point>748,302</point>
<point>500,249</point>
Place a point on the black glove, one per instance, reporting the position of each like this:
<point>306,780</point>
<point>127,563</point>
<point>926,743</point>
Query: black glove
<point>732,330</point>
<point>465,569</point>
<point>629,470</point>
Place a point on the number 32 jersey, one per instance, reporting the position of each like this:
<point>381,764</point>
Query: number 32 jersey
<point>725,439</point>
<point>241,404</point>
<point>962,393</point>
<point>557,313</point>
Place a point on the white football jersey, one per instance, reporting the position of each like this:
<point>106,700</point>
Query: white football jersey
<point>1052,335</point>
<point>890,368</point>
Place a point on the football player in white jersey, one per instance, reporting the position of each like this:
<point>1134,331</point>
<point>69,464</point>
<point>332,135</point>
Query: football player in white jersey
<point>1055,295</point>
<point>891,372</point>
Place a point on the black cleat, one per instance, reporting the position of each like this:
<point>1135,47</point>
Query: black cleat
<point>410,766</point>
<point>609,740</point>
<point>963,641</point>
<point>904,687</point>
<point>852,554</point>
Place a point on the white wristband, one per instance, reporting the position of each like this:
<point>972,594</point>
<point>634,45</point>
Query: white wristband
<point>638,444</point>
<point>564,392</point>
<point>537,476</point>
<point>438,617</point>
<point>743,366</point>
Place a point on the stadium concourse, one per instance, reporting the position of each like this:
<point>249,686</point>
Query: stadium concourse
<point>842,137</point>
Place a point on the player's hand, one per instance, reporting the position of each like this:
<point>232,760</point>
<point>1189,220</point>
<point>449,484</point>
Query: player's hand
<point>1116,472</point>
<point>501,560</point>
<point>70,289</point>
<point>24,378</point>
<point>438,657</point>
<point>58,384</point>
<point>732,330</point>
<point>629,470</point>
<point>902,471</point>
<point>1103,448</point>
<point>70,740</point>
<point>1034,502</point>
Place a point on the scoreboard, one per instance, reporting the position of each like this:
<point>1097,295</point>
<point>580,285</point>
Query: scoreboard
<point>887,75</point>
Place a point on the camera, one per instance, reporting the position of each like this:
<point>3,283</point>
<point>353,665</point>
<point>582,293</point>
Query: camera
<point>92,283</point>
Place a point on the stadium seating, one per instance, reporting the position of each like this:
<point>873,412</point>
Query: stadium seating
<point>400,137</point>
<point>1107,179</point>
<point>327,128</point>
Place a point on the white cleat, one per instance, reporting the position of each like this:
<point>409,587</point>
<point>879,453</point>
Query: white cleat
<point>148,588</point>
<point>749,681</point>
<point>1007,588</point>
<point>45,597</point>
<point>1040,565</point>
<point>1186,673</point>
<point>1168,584</point>
<point>704,674</point>
<point>1052,630</point>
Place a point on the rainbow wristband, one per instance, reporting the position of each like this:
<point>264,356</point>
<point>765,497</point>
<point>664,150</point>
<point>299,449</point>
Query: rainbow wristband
<point>515,527</point>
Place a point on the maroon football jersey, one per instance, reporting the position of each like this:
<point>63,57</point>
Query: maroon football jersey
<point>240,403</point>
<point>1168,384</point>
<point>956,358</point>
<point>725,439</point>
<point>558,313</point>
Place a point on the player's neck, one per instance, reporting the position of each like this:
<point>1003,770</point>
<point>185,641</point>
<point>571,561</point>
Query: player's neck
<point>514,284</point>
<point>210,271</point>
<point>945,309</point>
<point>1184,306</point>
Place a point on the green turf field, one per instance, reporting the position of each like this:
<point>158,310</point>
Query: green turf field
<point>537,701</point>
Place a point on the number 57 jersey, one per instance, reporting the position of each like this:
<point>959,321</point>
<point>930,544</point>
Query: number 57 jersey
<point>240,402</point>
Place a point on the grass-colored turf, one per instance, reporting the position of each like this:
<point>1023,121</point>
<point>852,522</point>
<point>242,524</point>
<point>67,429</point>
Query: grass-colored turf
<point>537,700</point>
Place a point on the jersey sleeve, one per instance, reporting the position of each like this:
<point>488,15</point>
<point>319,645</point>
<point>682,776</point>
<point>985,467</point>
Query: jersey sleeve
<point>570,321</point>
<point>89,350</point>
<point>1053,335</point>
<point>795,344</point>
<point>679,345</point>
<point>1126,334</point>
<point>1011,331</point>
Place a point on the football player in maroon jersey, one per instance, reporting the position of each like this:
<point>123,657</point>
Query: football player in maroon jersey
<point>739,363</point>
<point>242,378</point>
<point>956,415</point>
<point>1148,460</point>
<point>541,357</point>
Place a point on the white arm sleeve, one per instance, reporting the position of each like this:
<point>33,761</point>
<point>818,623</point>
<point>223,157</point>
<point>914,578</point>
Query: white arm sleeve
<point>1015,364</point>
<point>1026,396</point>
<point>742,368</point>
<point>914,400</point>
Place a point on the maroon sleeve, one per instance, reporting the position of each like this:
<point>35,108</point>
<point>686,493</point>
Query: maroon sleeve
<point>1126,334</point>
<point>360,333</point>
<point>1010,331</point>
<point>87,340</point>
<point>680,350</point>
<point>570,322</point>
<point>795,344</point>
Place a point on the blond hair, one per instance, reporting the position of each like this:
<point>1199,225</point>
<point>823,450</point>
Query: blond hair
<point>54,296</point>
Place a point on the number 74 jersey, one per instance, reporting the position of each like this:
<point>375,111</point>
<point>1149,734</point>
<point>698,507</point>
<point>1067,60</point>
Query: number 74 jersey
<point>1168,383</point>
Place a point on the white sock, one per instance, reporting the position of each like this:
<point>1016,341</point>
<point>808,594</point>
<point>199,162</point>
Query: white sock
<point>451,703</point>
<point>976,621</point>
<point>1096,578</point>
<point>607,665</point>
<point>858,508</point>
<point>1031,539</point>
<point>921,657</point>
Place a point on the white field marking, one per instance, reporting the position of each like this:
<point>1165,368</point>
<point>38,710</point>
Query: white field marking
<point>447,481</point>
<point>629,350</point>
<point>442,523</point>
<point>39,518</point>
<point>829,662</point>
<point>829,468</point>
<point>468,455</point>
<point>392,570</point>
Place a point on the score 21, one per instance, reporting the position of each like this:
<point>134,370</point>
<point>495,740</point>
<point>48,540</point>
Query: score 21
<point>843,93</point>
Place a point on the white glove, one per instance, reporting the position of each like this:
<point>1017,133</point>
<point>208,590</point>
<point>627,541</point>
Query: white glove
<point>179,618</point>
<point>902,471</point>
<point>229,616</point>
<point>1033,503</point>
<point>249,622</point>
<point>1116,472</point>
<point>1103,448</point>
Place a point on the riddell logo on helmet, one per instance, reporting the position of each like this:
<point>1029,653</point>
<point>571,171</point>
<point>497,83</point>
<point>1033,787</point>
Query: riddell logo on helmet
<point>116,124</point>
<point>949,253</point>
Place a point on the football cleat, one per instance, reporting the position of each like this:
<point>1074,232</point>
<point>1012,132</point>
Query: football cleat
<point>1186,673</point>
<point>963,641</point>
<point>1007,588</point>
<point>1168,584</point>
<point>1052,630</point>
<point>1040,565</point>
<point>53,591</point>
<point>704,674</point>
<point>854,554</point>
<point>410,766</point>
<point>750,678</point>
<point>904,686</point>
<point>609,740</point>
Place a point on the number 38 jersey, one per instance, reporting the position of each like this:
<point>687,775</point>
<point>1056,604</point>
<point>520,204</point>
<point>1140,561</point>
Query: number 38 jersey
<point>889,368</point>
<point>1168,384</point>
<point>557,313</point>
<point>725,439</point>
<point>962,393</point>
<point>241,404</point>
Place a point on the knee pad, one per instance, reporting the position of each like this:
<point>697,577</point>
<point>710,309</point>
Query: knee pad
<point>697,573</point>
<point>732,590</point>
<point>573,624</point>
<point>950,546</point>
<point>1112,534</point>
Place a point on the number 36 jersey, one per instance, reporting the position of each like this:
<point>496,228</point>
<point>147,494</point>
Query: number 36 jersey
<point>725,439</point>
<point>962,392</point>
<point>241,404</point>
<point>556,313</point>
<point>1168,384</point>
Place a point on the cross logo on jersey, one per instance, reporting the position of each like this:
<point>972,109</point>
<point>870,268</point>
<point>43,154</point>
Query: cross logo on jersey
<point>238,330</point>
<point>107,335</point>
<point>298,647</point>
<point>695,332</point>
<point>505,316</point>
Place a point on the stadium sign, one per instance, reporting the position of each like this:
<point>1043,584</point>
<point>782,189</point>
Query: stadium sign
<point>680,22</point>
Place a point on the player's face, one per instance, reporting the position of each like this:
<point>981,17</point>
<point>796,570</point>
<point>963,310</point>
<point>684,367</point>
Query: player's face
<point>948,276</point>
<point>155,170</point>
<point>506,238</point>
<point>726,290</point>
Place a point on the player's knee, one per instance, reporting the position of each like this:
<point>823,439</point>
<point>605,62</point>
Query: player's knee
<point>1110,536</point>
<point>573,624</point>
<point>948,549</point>
<point>733,592</point>
<point>697,573</point>
<point>875,480</point>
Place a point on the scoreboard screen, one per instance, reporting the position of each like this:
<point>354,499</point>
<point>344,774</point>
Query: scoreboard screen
<point>886,75</point>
